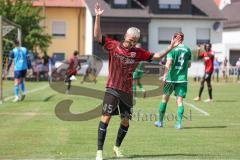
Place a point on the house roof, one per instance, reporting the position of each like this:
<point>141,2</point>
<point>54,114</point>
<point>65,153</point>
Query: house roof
<point>110,12</point>
<point>230,12</point>
<point>59,3</point>
<point>218,2</point>
<point>208,7</point>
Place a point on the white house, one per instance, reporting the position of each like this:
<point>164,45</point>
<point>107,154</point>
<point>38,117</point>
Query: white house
<point>200,21</point>
<point>230,46</point>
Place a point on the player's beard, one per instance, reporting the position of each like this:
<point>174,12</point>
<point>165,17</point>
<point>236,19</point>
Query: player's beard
<point>127,45</point>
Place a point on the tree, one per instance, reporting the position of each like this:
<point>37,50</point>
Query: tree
<point>28,17</point>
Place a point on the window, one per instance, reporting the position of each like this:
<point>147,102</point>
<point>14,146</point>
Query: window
<point>169,4</point>
<point>58,57</point>
<point>165,34</point>
<point>203,35</point>
<point>120,3</point>
<point>58,29</point>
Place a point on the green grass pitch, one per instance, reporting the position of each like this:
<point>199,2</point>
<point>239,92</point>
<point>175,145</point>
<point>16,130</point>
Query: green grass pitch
<point>31,130</point>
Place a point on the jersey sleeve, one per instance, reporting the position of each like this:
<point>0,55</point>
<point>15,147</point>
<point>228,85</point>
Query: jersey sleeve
<point>202,54</point>
<point>108,43</point>
<point>211,53</point>
<point>145,55</point>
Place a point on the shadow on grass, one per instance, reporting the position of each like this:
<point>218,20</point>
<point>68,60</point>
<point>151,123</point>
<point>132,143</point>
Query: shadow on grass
<point>205,127</point>
<point>157,155</point>
<point>48,98</point>
<point>228,101</point>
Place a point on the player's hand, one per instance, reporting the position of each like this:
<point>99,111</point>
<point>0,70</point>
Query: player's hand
<point>176,41</point>
<point>163,78</point>
<point>98,10</point>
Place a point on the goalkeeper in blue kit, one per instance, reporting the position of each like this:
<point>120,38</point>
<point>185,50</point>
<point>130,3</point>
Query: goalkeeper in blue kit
<point>19,56</point>
<point>175,79</point>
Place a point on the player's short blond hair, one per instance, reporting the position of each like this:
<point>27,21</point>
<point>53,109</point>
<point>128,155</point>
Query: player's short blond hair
<point>133,31</point>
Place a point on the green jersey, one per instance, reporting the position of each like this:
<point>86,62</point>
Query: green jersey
<point>139,67</point>
<point>137,74</point>
<point>178,71</point>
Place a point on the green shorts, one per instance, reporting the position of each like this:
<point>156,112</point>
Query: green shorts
<point>180,89</point>
<point>137,75</point>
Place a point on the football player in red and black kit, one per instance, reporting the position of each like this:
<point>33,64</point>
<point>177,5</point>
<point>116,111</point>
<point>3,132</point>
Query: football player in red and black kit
<point>208,57</point>
<point>74,64</point>
<point>123,58</point>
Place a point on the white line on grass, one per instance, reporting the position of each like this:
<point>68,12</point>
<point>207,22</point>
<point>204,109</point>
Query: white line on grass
<point>31,91</point>
<point>196,108</point>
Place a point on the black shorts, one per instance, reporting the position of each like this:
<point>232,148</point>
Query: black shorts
<point>207,76</point>
<point>20,74</point>
<point>116,102</point>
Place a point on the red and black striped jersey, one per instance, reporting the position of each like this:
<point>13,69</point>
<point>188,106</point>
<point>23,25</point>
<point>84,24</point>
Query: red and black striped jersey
<point>122,63</point>
<point>208,58</point>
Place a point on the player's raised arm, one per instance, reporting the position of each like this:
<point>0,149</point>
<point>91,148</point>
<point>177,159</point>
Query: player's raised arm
<point>174,42</point>
<point>97,27</point>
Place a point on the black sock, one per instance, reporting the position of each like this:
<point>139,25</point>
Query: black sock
<point>102,130</point>
<point>210,92</point>
<point>200,91</point>
<point>122,131</point>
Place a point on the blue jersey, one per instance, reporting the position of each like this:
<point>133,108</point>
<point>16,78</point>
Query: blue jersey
<point>19,56</point>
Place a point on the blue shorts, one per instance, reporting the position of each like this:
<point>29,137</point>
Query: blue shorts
<point>20,74</point>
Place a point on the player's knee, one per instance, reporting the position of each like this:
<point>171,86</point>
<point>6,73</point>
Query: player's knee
<point>165,99</point>
<point>179,101</point>
<point>105,118</point>
<point>138,82</point>
<point>16,81</point>
<point>125,122</point>
<point>209,86</point>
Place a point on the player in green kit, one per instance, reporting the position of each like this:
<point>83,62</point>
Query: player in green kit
<point>137,75</point>
<point>175,78</point>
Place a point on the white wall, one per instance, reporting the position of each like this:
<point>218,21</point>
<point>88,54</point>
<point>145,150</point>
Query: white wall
<point>231,41</point>
<point>231,36</point>
<point>188,27</point>
<point>89,33</point>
